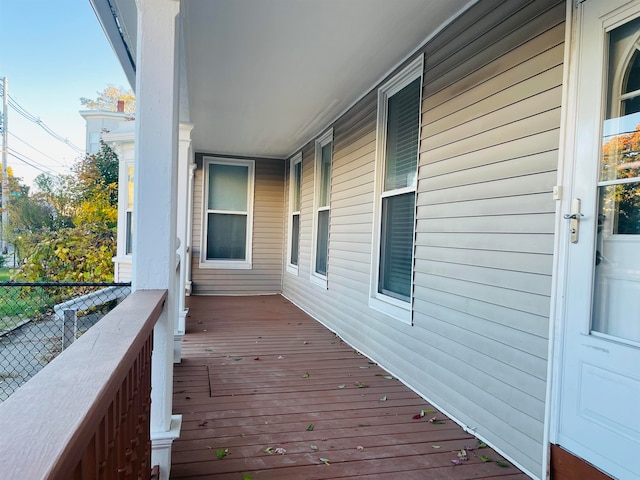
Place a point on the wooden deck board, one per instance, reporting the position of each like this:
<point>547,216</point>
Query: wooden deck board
<point>259,374</point>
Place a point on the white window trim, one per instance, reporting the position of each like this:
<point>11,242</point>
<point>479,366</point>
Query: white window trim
<point>227,264</point>
<point>291,268</point>
<point>315,277</point>
<point>386,304</point>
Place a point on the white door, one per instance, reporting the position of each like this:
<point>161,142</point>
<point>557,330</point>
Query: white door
<point>599,415</point>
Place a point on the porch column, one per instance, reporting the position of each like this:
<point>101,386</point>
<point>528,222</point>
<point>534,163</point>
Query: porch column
<point>184,157</point>
<point>155,202</point>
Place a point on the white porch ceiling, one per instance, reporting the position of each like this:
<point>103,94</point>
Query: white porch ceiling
<point>265,76</point>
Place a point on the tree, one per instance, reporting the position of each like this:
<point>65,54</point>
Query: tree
<point>72,223</point>
<point>108,100</point>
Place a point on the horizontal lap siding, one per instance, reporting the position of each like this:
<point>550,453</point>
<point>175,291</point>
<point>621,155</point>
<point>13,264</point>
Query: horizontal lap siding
<point>485,225</point>
<point>484,235</point>
<point>265,276</point>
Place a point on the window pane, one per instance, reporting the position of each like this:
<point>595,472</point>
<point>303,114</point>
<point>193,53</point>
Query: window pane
<point>297,178</point>
<point>325,175</point>
<point>295,232</point>
<point>129,233</point>
<point>396,247</point>
<point>403,124</point>
<point>323,242</point>
<point>130,187</point>
<point>228,187</point>
<point>226,237</point>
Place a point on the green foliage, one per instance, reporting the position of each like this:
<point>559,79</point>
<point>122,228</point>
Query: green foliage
<point>66,231</point>
<point>79,254</point>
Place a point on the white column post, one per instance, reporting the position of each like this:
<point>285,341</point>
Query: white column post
<point>155,184</point>
<point>184,155</point>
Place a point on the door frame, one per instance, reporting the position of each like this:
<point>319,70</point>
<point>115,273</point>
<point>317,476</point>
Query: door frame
<point>563,194</point>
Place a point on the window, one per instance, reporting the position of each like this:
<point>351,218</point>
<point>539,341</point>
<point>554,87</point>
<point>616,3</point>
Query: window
<point>295,187</point>
<point>321,206</point>
<point>228,213</point>
<point>129,212</point>
<point>398,135</point>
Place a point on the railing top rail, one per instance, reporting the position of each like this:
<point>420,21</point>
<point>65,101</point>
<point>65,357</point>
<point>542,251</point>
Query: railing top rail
<point>44,424</point>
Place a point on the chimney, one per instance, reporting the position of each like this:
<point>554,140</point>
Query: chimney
<point>121,106</point>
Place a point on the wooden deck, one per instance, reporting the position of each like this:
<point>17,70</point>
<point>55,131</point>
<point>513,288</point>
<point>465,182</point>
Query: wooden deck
<point>266,392</point>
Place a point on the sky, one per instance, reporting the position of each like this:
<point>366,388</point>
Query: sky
<point>52,53</point>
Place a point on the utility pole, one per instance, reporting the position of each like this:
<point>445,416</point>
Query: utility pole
<point>5,176</point>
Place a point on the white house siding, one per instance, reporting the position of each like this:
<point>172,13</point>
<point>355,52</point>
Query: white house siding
<point>265,276</point>
<point>485,225</point>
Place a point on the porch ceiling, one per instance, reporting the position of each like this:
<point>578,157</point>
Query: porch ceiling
<point>264,77</point>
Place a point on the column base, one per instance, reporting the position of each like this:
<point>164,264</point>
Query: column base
<point>161,443</point>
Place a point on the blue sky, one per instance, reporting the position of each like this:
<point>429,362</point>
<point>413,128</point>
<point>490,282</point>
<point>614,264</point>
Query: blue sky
<point>53,53</point>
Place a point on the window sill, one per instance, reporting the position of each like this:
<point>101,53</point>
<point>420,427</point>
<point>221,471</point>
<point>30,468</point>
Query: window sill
<point>318,280</point>
<point>393,308</point>
<point>226,265</point>
<point>292,269</point>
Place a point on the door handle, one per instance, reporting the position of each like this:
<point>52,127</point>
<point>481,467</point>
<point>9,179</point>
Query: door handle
<point>574,216</point>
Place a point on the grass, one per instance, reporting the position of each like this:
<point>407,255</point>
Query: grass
<point>18,303</point>
<point>5,274</point>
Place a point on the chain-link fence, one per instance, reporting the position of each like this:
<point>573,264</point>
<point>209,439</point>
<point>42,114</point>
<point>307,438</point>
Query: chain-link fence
<point>39,320</point>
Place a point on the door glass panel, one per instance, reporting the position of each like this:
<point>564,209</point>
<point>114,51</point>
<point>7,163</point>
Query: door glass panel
<point>617,256</point>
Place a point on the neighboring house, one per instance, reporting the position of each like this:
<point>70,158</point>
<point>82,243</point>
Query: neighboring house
<point>118,130</point>
<point>427,179</point>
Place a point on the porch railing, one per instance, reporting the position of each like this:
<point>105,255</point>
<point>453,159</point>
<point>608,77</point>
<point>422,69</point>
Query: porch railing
<point>87,415</point>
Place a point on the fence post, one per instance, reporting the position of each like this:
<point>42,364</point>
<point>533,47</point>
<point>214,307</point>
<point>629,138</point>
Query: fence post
<point>69,327</point>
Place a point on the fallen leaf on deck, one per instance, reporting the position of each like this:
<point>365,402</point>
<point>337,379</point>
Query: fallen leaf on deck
<point>341,386</point>
<point>280,451</point>
<point>361,385</point>
<point>485,458</point>
<point>305,375</point>
<point>457,461</point>
<point>482,445</point>
<point>247,477</point>
<point>257,358</point>
<point>364,366</point>
<point>428,411</point>
<point>268,450</point>
<point>502,464</point>
<point>383,399</point>
<point>221,453</point>
<point>313,447</point>
<point>462,454</point>
<point>310,427</point>
<point>305,343</point>
<point>436,446</point>
<point>325,461</point>
<point>360,448</point>
<point>187,398</point>
<point>280,357</point>
<point>203,424</point>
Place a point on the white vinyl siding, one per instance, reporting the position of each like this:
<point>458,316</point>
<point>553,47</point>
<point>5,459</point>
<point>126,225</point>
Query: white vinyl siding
<point>398,132</point>
<point>321,208</point>
<point>265,275</point>
<point>485,216</point>
<point>295,201</point>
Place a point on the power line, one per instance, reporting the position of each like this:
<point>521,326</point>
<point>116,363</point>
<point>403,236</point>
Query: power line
<point>39,151</point>
<point>32,118</point>
<point>30,161</point>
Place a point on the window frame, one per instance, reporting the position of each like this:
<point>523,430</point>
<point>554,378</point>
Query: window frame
<point>128,212</point>
<point>295,160</point>
<point>394,307</point>
<point>245,264</point>
<point>324,140</point>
